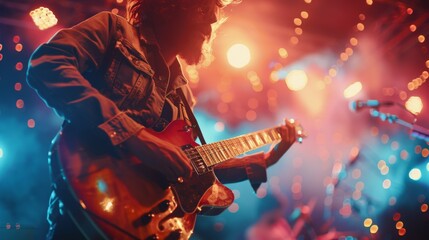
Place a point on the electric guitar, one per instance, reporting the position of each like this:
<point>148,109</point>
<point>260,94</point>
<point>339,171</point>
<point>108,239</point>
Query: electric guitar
<point>109,196</point>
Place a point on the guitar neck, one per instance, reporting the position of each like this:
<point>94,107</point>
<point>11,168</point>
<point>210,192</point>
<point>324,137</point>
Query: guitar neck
<point>218,152</point>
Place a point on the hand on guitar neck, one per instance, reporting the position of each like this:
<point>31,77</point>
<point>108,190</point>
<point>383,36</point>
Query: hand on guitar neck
<point>290,132</point>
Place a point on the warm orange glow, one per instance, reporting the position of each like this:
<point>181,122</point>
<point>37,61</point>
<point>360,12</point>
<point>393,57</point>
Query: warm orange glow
<point>367,222</point>
<point>108,204</point>
<point>115,11</point>
<point>296,80</point>
<point>297,21</point>
<point>251,115</point>
<point>19,103</point>
<point>414,104</point>
<point>344,57</point>
<point>192,74</point>
<point>415,174</point>
<point>402,231</point>
<point>352,90</point>
<point>399,225</point>
<point>332,72</point>
<point>384,170</point>
<point>18,47</point>
<point>283,53</point>
<point>298,31</point>
<point>373,229</point>
<point>404,154</point>
<point>421,38</point>
<point>294,40</point>
<point>369,2</point>
<point>44,18</point>
<point>219,126</point>
<point>354,41</point>
<point>31,123</point>
<point>413,27</point>
<point>238,55</point>
<point>304,14</point>
<point>387,183</point>
<point>425,152</point>
<point>396,216</point>
<point>349,51</point>
<point>360,27</point>
<point>18,86</point>
<point>424,207</point>
<point>19,66</point>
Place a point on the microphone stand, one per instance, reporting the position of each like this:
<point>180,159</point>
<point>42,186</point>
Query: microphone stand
<point>416,131</point>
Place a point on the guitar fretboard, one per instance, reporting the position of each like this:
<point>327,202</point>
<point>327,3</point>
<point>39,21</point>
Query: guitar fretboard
<point>218,152</point>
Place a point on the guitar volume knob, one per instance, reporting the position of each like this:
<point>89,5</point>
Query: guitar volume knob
<point>145,219</point>
<point>164,205</point>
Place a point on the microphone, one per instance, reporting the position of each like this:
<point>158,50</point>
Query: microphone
<point>359,104</point>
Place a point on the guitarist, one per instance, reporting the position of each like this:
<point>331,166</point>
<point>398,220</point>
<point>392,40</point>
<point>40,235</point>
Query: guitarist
<point>112,79</point>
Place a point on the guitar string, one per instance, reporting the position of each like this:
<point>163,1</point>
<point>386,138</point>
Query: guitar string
<point>220,148</point>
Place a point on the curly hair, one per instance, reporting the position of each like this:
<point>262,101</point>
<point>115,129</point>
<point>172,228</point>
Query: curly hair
<point>144,11</point>
<point>139,10</point>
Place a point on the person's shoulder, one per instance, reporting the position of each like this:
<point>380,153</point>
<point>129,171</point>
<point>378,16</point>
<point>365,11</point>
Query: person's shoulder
<point>105,15</point>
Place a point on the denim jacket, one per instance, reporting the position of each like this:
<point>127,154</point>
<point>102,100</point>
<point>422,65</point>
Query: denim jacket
<point>96,75</point>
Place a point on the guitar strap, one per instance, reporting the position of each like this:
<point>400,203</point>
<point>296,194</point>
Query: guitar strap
<point>191,115</point>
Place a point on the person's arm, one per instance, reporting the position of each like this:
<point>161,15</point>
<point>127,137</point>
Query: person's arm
<point>57,72</point>
<point>253,167</point>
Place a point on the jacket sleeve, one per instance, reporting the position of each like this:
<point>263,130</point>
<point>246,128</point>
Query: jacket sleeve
<point>57,72</point>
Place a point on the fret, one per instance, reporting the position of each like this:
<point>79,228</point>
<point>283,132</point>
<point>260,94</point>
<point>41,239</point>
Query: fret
<point>220,151</point>
<point>243,145</point>
<point>250,141</point>
<point>258,139</point>
<point>208,155</point>
<point>274,134</point>
<point>266,137</point>
<point>218,158</point>
<point>215,153</point>
<point>228,149</point>
<point>224,150</point>
<point>234,148</point>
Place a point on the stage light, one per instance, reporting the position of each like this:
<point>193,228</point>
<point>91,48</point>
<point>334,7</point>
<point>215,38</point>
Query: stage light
<point>296,80</point>
<point>367,222</point>
<point>283,53</point>
<point>352,90</point>
<point>374,229</point>
<point>415,174</point>
<point>414,104</point>
<point>238,55</point>
<point>43,17</point>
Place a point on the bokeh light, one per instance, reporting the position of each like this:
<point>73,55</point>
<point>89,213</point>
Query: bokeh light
<point>238,55</point>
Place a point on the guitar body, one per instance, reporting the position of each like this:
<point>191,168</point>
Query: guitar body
<point>126,200</point>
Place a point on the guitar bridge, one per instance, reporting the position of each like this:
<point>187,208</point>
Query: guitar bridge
<point>196,160</point>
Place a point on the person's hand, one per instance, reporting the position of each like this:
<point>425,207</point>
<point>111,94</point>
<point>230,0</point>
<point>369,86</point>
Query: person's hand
<point>289,135</point>
<point>160,155</point>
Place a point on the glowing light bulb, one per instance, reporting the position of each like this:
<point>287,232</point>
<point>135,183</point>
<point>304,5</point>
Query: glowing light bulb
<point>238,55</point>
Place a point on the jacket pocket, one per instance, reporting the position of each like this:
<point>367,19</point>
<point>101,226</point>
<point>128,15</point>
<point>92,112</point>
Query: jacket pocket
<point>129,76</point>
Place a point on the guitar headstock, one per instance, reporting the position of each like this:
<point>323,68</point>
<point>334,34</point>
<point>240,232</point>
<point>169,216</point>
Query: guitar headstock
<point>300,134</point>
